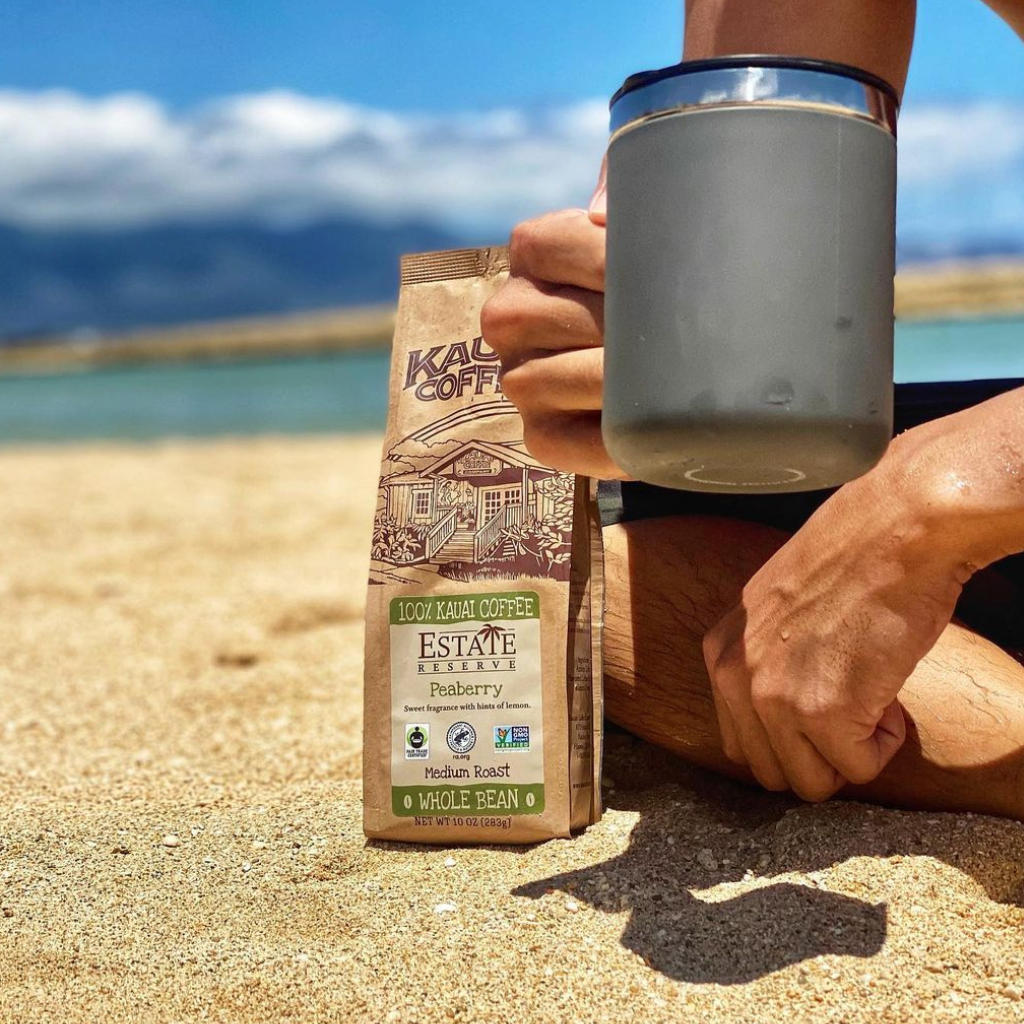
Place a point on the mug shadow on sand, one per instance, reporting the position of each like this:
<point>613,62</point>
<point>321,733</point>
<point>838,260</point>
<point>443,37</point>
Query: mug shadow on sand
<point>680,844</point>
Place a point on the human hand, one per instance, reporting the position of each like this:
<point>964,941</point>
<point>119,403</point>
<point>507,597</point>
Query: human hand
<point>547,325</point>
<point>806,667</point>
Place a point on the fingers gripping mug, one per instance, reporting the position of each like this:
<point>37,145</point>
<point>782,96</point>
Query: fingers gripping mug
<point>749,280</point>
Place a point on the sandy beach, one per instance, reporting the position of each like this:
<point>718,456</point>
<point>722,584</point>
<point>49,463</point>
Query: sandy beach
<point>180,839</point>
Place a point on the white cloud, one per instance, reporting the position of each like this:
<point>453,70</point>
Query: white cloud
<point>961,172</point>
<point>955,142</point>
<point>67,160</point>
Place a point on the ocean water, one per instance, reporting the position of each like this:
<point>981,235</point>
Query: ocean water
<point>344,392</point>
<point>951,350</point>
<point>348,391</point>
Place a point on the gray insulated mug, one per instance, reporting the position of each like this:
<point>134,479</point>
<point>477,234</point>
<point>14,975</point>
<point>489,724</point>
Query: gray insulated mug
<point>749,283</point>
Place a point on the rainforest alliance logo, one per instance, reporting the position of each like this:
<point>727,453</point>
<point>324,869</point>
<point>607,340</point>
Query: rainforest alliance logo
<point>443,372</point>
<point>461,738</point>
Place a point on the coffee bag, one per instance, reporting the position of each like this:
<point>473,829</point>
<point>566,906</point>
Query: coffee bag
<point>483,703</point>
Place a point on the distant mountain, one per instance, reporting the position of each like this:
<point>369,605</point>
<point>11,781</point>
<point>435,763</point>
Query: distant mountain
<point>55,281</point>
<point>63,281</point>
<point>919,251</point>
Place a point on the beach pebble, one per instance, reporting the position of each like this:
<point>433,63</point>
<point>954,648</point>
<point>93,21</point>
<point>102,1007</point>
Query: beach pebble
<point>706,859</point>
<point>246,866</point>
<point>572,906</point>
<point>8,911</point>
<point>444,908</point>
<point>1012,992</point>
<point>449,862</point>
<point>171,840</point>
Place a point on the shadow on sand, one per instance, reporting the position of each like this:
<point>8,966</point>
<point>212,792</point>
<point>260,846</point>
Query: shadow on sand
<point>684,842</point>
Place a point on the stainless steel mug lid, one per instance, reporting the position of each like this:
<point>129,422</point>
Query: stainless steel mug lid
<point>754,79</point>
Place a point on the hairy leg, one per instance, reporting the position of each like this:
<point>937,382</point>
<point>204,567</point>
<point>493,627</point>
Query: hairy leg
<point>670,579</point>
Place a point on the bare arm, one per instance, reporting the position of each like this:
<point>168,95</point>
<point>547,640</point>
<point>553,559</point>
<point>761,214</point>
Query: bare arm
<point>966,473</point>
<point>807,666</point>
<point>1011,11</point>
<point>875,35</point>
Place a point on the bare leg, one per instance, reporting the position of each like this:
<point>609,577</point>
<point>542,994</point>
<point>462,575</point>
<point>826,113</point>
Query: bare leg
<point>670,579</point>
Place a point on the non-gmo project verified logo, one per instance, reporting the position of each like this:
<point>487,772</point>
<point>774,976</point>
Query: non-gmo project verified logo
<point>511,737</point>
<point>417,742</point>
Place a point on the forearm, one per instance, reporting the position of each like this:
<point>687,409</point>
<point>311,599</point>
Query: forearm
<point>875,35</point>
<point>1011,11</point>
<point>962,480</point>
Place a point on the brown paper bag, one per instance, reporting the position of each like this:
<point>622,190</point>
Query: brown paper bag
<point>483,703</point>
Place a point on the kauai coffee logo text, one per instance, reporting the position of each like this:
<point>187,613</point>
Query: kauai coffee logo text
<point>443,372</point>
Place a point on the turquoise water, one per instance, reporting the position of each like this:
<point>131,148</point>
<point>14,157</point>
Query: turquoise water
<point>950,350</point>
<point>345,392</point>
<point>348,391</point>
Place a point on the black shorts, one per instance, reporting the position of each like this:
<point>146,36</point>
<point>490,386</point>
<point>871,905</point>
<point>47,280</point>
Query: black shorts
<point>915,404</point>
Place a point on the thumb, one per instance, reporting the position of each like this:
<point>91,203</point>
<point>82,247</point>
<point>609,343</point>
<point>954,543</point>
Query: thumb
<point>890,733</point>
<point>598,209</point>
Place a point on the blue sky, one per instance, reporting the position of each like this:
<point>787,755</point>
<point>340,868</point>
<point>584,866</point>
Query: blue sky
<point>470,115</point>
<point>410,54</point>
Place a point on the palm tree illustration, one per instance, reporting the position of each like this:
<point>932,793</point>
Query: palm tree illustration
<point>491,632</point>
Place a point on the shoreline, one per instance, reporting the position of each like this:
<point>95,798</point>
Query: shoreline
<point>974,289</point>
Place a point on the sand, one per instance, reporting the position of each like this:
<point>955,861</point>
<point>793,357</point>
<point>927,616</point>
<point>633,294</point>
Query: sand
<point>180,670</point>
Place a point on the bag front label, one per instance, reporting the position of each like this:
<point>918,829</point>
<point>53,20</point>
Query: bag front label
<point>467,725</point>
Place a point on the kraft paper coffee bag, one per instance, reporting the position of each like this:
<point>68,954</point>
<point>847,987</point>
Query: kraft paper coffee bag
<point>483,703</point>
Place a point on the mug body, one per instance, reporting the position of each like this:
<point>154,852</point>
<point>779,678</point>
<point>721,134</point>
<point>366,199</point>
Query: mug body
<point>749,279</point>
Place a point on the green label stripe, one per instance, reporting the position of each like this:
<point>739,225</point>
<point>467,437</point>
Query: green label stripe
<point>463,801</point>
<point>448,609</point>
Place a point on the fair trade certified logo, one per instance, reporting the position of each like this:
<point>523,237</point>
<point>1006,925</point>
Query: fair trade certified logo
<point>417,742</point>
<point>511,737</point>
<point>461,738</point>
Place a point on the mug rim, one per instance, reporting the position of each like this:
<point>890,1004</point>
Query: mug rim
<point>641,79</point>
